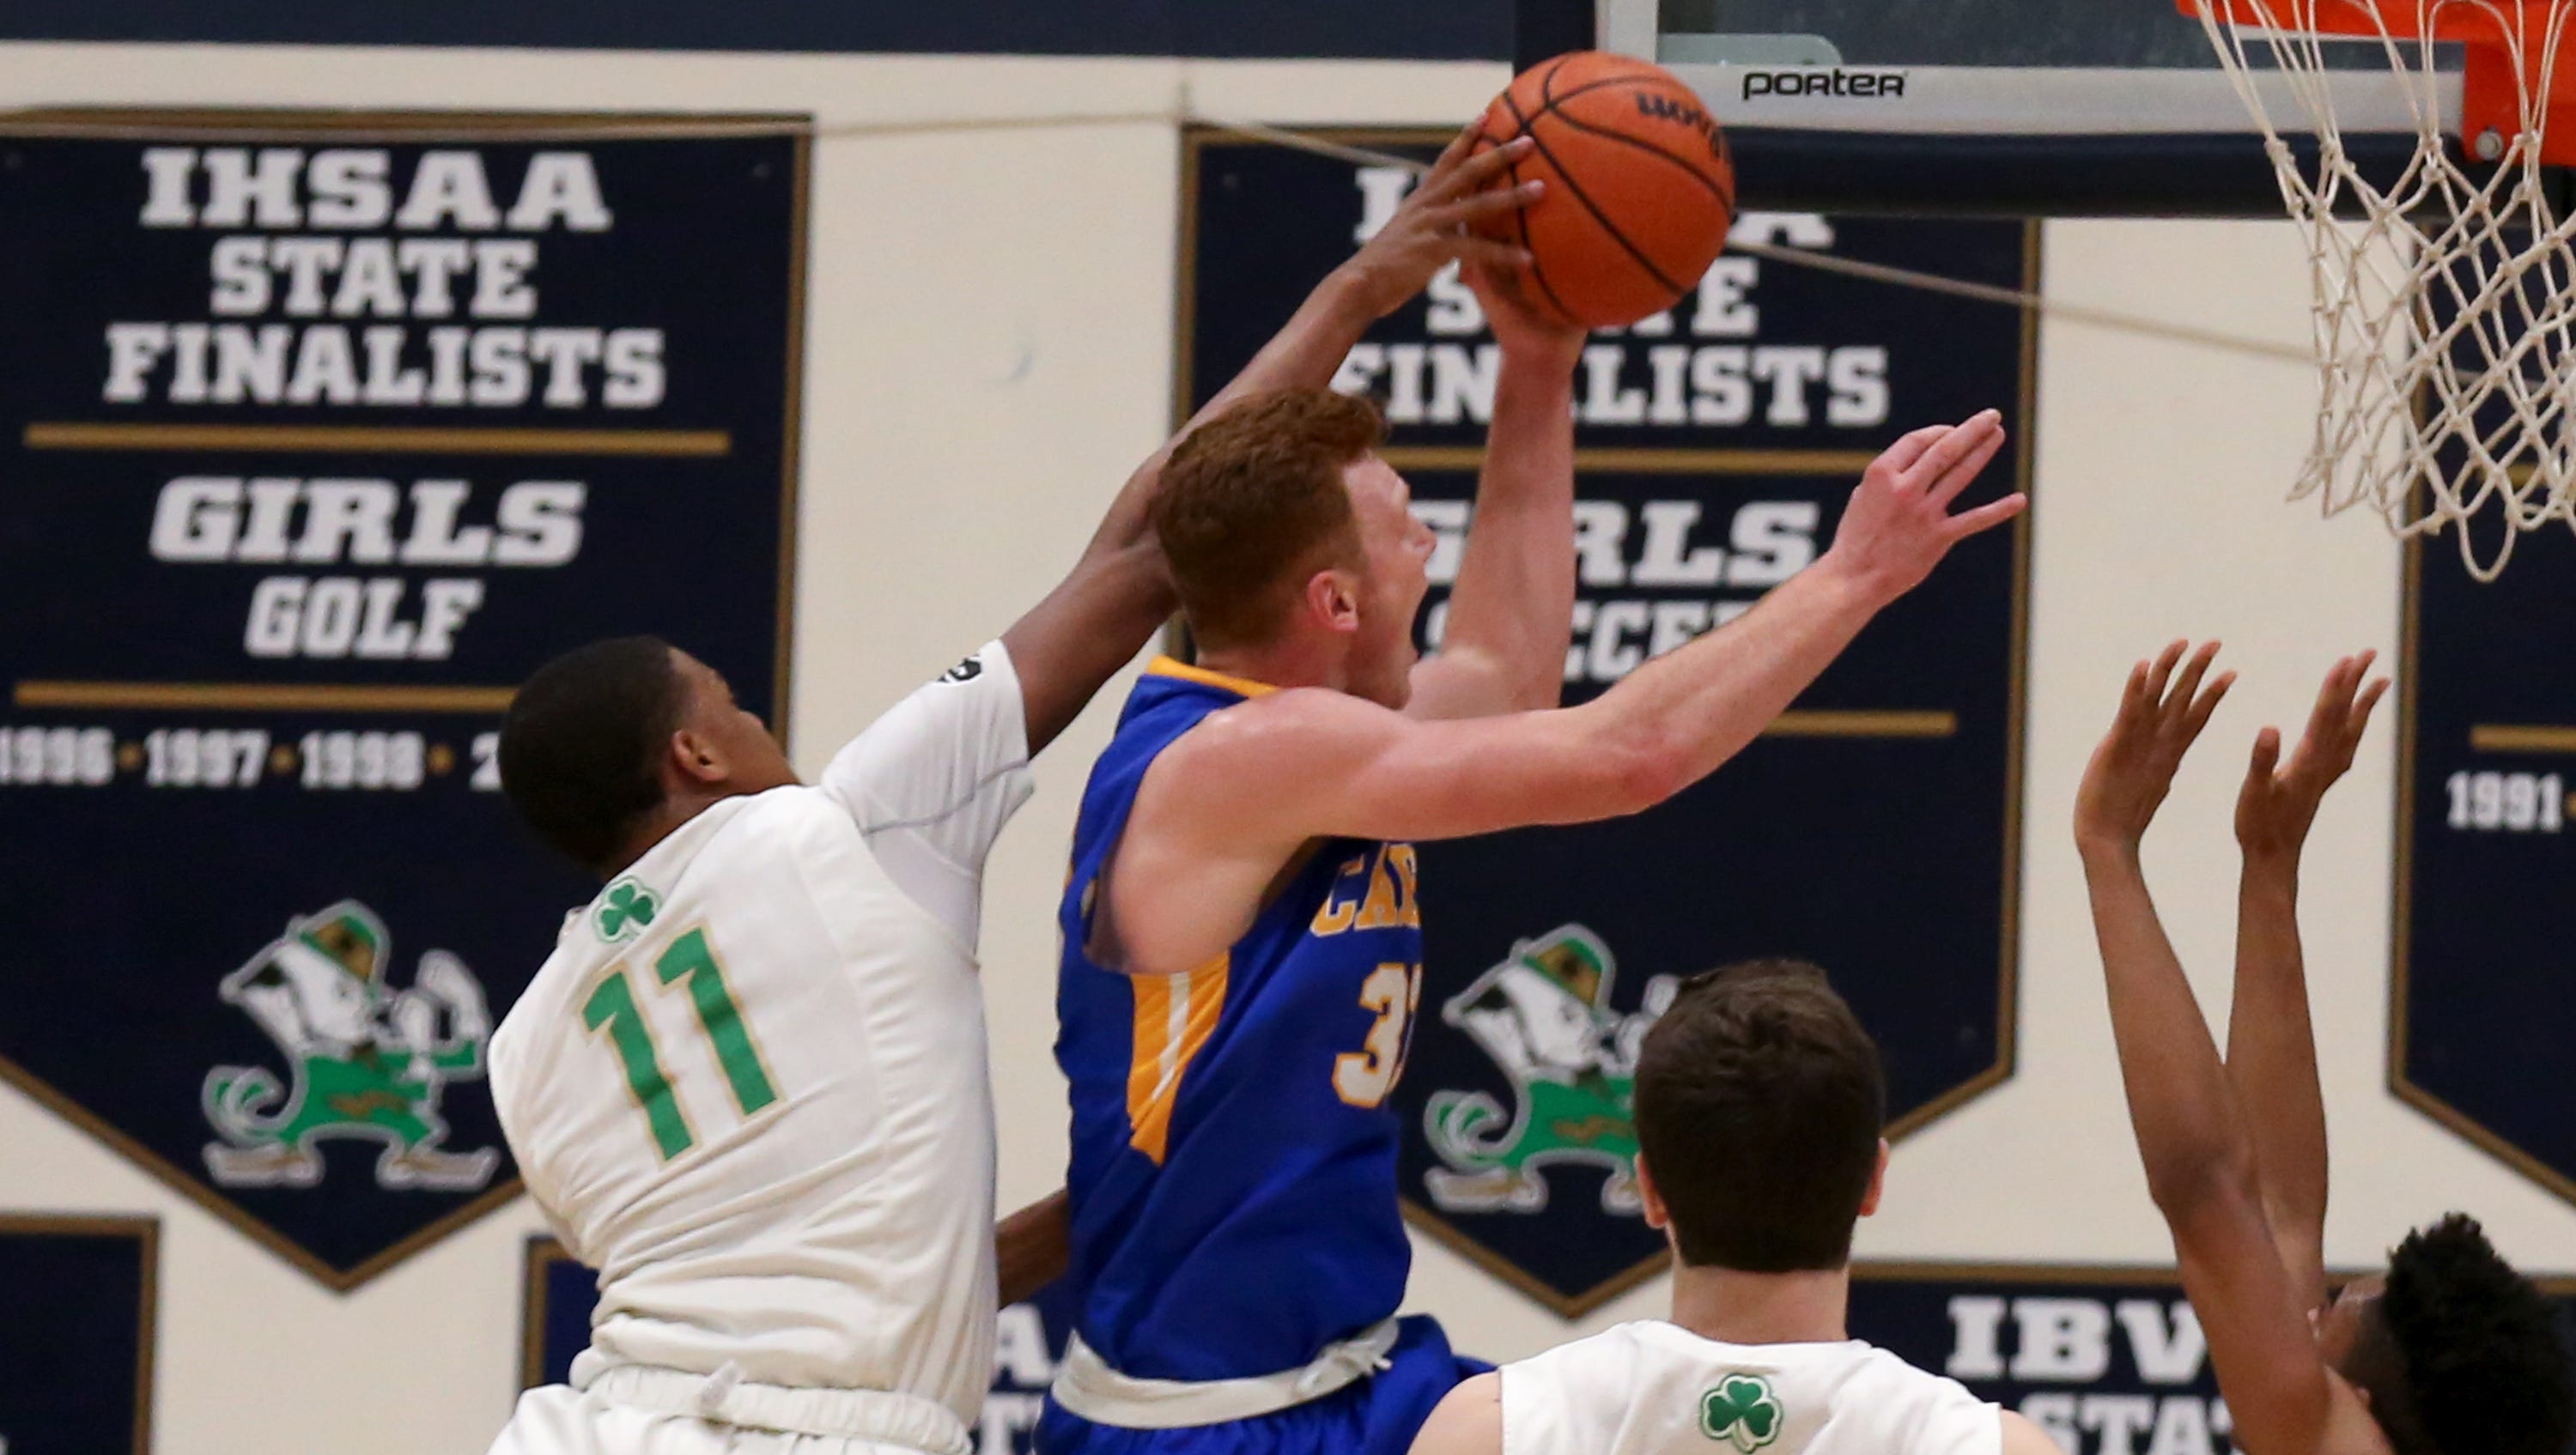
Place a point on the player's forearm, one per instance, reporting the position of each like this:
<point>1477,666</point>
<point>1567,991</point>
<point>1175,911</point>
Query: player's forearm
<point>1688,711</point>
<point>2190,1135</point>
<point>1308,349</point>
<point>1514,599</point>
<point>2272,1060</point>
<point>1032,1247</point>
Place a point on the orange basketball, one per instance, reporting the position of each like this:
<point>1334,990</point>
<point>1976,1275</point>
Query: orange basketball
<point>1639,188</point>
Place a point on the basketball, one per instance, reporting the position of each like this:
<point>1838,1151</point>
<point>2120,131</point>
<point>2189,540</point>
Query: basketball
<point>1639,187</point>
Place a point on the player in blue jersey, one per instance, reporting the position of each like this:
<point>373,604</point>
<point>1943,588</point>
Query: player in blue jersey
<point>1242,938</point>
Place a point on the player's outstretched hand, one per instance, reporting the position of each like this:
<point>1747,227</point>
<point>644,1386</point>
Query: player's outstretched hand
<point>2279,800</point>
<point>1437,224</point>
<point>1899,525</point>
<point>2160,715</point>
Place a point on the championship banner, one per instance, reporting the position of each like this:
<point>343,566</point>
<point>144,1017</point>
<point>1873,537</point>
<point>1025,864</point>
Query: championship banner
<point>1028,1344</point>
<point>2109,1361</point>
<point>2486,765</point>
<point>1874,830</point>
<point>76,1348</point>
<point>316,436</point>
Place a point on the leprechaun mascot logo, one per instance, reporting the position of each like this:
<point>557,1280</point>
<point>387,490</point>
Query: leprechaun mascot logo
<point>1544,1016</point>
<point>364,1062</point>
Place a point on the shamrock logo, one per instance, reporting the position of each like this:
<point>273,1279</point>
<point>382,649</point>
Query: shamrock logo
<point>624,911</point>
<point>1741,1410</point>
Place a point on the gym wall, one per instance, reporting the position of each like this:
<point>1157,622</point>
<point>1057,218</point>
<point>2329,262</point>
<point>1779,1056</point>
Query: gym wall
<point>988,351</point>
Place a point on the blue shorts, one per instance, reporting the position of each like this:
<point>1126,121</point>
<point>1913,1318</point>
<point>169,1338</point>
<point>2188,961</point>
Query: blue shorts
<point>1378,1415</point>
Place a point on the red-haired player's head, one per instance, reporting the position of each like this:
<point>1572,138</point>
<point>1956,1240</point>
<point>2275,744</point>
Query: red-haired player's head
<point>1293,546</point>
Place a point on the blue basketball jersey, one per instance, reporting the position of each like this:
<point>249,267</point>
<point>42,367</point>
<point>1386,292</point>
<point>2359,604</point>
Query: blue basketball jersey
<point>1233,1175</point>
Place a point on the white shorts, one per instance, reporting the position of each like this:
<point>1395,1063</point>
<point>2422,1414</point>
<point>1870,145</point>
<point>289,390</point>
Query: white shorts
<point>560,1420</point>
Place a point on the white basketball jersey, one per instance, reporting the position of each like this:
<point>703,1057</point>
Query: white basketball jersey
<point>1653,1388</point>
<point>749,1085</point>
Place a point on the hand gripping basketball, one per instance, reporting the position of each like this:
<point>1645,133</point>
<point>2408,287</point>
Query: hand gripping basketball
<point>1439,221</point>
<point>1898,525</point>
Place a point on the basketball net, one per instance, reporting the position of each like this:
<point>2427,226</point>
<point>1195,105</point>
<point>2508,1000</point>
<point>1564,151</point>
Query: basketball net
<point>2445,317</point>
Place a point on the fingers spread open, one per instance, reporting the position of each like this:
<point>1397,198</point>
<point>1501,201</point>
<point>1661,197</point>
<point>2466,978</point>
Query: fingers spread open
<point>2178,702</point>
<point>1454,153</point>
<point>1987,516</point>
<point>2162,671</point>
<point>2204,705</point>
<point>1490,202</point>
<point>1909,447</point>
<point>1956,478</point>
<point>1953,447</point>
<point>1476,173</point>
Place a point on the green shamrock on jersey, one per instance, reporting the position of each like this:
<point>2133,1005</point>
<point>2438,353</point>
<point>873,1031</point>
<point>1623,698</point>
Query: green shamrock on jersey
<point>624,911</point>
<point>1741,1410</point>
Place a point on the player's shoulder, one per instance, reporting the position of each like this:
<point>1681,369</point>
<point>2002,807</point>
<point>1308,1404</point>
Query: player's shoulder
<point>1620,1346</point>
<point>1279,728</point>
<point>1891,1369</point>
<point>1940,1415</point>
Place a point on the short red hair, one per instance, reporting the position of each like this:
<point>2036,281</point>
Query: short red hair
<point>1252,504</point>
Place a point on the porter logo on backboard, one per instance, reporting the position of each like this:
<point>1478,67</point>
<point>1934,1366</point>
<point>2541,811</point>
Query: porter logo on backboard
<point>1824,81</point>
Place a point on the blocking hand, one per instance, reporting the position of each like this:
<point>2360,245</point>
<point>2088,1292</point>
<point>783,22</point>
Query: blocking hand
<point>2279,800</point>
<point>1899,525</point>
<point>2134,767</point>
<point>1437,223</point>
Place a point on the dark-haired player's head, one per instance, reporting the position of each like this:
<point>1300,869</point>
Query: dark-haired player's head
<point>1285,531</point>
<point>604,739</point>
<point>2459,1354</point>
<point>1759,1103</point>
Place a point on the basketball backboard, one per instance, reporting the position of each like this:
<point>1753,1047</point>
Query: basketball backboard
<point>2053,106</point>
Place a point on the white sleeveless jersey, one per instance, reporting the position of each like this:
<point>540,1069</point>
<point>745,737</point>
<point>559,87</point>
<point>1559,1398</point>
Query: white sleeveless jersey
<point>749,1086</point>
<point>1653,1388</point>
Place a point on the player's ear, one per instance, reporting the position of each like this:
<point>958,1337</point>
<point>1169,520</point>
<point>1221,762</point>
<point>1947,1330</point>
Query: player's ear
<point>1333,599</point>
<point>1877,1182</point>
<point>1651,1201</point>
<point>695,759</point>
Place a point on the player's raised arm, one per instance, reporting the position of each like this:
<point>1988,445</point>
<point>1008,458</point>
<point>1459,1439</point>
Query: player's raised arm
<point>1233,799</point>
<point>2193,1137</point>
<point>1118,593</point>
<point>2271,1049</point>
<point>1512,611</point>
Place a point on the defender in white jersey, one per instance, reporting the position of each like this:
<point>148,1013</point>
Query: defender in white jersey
<point>749,1085</point>
<point>1759,1103</point>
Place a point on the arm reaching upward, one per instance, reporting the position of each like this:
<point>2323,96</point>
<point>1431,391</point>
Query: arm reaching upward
<point>1232,800</point>
<point>2271,1050</point>
<point>1512,612</point>
<point>1118,593</point>
<point>2192,1135</point>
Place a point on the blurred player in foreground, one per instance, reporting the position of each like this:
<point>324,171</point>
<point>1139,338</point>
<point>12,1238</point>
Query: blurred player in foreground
<point>749,1087</point>
<point>2451,1352</point>
<point>1243,947</point>
<point>1759,1105</point>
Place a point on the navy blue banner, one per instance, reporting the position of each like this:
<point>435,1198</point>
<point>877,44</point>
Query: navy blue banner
<point>76,1348</point>
<point>2109,1361</point>
<point>313,445</point>
<point>1028,1344</point>
<point>1717,446</point>
<point>1424,30</point>
<point>2486,768</point>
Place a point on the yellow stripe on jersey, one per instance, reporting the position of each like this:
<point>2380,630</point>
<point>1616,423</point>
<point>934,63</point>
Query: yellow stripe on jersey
<point>1174,667</point>
<point>1174,1017</point>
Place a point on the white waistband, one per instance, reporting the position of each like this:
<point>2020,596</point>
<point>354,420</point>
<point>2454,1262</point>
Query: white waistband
<point>1087,1386</point>
<point>724,1398</point>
